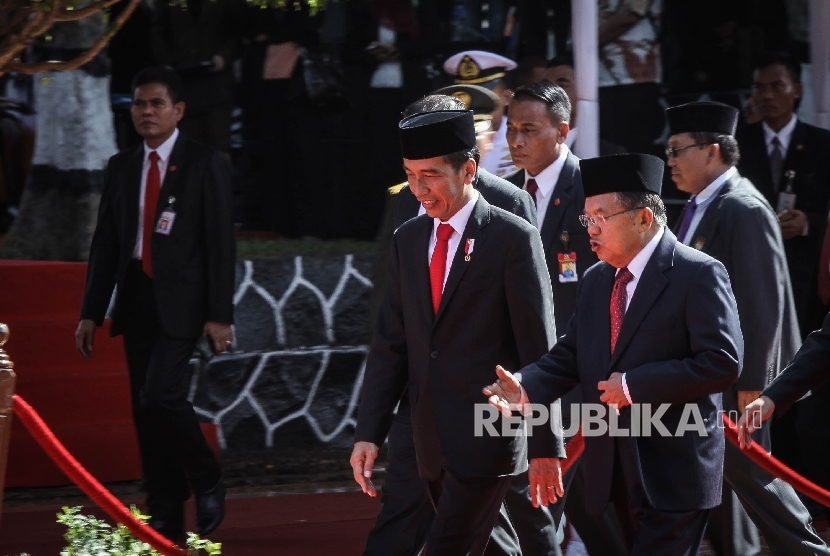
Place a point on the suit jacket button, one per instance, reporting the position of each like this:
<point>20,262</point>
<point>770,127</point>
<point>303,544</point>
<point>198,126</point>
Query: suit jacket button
<point>433,355</point>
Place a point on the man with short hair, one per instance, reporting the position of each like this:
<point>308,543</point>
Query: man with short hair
<point>655,325</point>
<point>728,219</point>
<point>786,160</point>
<point>165,238</point>
<point>467,286</point>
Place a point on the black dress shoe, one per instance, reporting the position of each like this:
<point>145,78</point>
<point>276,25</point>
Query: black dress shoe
<point>210,509</point>
<point>167,518</point>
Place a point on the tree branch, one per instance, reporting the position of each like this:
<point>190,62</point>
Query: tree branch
<point>83,58</point>
<point>75,15</point>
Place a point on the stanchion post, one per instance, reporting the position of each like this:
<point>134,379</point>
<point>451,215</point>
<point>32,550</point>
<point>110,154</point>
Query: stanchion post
<point>7,382</point>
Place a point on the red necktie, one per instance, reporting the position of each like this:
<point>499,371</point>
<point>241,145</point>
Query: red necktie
<point>824,268</point>
<point>618,299</point>
<point>438,264</point>
<point>151,199</point>
<point>531,187</point>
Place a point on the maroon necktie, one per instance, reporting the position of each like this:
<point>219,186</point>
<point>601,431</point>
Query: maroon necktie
<point>824,268</point>
<point>438,264</point>
<point>532,188</point>
<point>151,199</point>
<point>618,299</point>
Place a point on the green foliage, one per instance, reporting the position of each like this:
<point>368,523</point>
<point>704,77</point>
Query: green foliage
<point>89,536</point>
<point>313,5</point>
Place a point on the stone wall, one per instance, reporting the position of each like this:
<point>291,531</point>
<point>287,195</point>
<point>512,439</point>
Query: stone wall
<point>294,378</point>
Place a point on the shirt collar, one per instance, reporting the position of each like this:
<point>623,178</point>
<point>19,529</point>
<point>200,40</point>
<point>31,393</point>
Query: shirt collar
<point>571,138</point>
<point>547,178</point>
<point>712,189</point>
<point>638,263</point>
<point>784,136</point>
<point>458,221</point>
<point>165,148</point>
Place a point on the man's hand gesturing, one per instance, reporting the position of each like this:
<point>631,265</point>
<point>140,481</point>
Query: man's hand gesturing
<point>505,393</point>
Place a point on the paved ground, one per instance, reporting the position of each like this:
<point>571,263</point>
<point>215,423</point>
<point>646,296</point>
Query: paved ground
<point>293,503</point>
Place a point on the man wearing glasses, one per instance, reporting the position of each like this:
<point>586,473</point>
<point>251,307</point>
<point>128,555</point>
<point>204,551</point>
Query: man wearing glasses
<point>729,219</point>
<point>655,323</point>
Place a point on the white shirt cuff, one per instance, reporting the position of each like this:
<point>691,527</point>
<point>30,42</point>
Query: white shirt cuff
<point>625,389</point>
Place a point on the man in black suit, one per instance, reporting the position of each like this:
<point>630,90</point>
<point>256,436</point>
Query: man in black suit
<point>165,238</point>
<point>786,159</point>
<point>406,513</point>
<point>807,371</point>
<point>728,219</point>
<point>537,133</point>
<point>467,286</point>
<point>656,326</point>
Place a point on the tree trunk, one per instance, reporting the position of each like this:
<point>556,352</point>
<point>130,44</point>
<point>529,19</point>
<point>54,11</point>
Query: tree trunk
<point>74,138</point>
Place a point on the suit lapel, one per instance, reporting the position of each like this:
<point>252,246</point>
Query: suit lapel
<point>764,184</point>
<point>479,218</point>
<point>650,286</point>
<point>795,152</point>
<point>602,314</point>
<point>171,176</point>
<point>707,227</point>
<point>556,211</point>
<point>420,250</point>
<point>132,192</point>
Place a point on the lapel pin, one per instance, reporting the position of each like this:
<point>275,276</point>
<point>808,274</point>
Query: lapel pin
<point>556,202</point>
<point>799,147</point>
<point>468,249</point>
<point>172,168</point>
<point>699,243</point>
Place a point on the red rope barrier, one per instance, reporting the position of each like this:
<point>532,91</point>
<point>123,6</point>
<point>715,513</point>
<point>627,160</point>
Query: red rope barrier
<point>89,484</point>
<point>773,466</point>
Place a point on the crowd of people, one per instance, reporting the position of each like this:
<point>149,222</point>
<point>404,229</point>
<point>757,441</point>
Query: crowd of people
<point>511,272</point>
<point>707,310</point>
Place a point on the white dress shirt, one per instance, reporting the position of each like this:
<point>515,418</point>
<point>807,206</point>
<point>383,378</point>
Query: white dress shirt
<point>703,200</point>
<point>163,151</point>
<point>546,181</point>
<point>458,221</point>
<point>785,135</point>
<point>636,268</point>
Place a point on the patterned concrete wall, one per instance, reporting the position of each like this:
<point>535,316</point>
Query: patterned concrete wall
<point>301,329</point>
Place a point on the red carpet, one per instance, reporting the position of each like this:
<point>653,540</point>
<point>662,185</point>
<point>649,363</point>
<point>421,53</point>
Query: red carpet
<point>283,525</point>
<point>86,403</point>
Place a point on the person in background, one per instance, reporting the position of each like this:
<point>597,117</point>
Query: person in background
<point>164,240</point>
<point>492,71</point>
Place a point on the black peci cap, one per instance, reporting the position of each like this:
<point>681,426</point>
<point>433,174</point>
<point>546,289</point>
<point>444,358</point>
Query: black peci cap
<point>705,117</point>
<point>437,133</point>
<point>622,173</point>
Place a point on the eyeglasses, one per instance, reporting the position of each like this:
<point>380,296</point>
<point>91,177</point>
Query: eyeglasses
<point>599,220</point>
<point>671,152</point>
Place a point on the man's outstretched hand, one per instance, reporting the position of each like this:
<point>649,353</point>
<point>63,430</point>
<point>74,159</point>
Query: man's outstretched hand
<point>754,414</point>
<point>505,392</point>
<point>363,459</point>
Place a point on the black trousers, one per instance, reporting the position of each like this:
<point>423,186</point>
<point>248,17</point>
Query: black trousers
<point>407,513</point>
<point>175,457</point>
<point>466,509</point>
<point>646,530</point>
